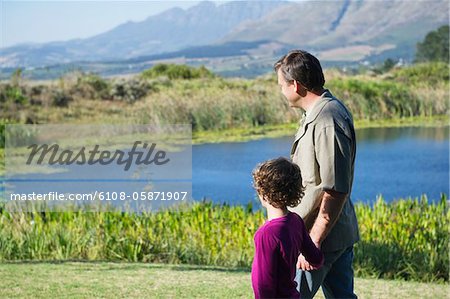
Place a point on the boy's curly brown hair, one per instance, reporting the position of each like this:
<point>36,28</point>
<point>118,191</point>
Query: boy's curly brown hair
<point>279,182</point>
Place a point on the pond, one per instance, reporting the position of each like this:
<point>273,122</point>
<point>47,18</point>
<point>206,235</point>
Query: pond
<point>393,162</point>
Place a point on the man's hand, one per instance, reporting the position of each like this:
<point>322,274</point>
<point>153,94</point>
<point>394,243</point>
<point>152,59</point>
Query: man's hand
<point>303,264</point>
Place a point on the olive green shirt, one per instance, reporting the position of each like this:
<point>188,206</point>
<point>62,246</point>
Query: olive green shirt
<point>325,149</point>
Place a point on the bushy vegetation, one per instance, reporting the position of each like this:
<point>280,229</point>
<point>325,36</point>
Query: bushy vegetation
<point>422,74</point>
<point>406,239</point>
<point>177,71</point>
<point>92,86</point>
<point>12,94</point>
<point>215,103</point>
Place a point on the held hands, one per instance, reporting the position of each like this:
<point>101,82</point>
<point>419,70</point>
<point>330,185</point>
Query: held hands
<point>303,264</point>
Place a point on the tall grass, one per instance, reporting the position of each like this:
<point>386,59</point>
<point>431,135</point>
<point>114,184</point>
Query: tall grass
<point>405,239</point>
<point>216,104</point>
<point>378,99</point>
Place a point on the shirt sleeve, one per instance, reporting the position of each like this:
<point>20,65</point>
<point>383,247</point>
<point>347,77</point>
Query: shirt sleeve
<point>312,254</point>
<point>266,254</point>
<point>334,154</point>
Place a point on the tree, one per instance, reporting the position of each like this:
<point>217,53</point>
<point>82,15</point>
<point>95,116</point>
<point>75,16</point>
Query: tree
<point>388,64</point>
<point>435,46</point>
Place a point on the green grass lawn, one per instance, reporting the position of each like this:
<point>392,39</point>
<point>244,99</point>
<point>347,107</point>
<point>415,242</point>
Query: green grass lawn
<point>138,280</point>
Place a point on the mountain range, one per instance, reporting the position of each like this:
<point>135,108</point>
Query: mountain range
<point>245,34</point>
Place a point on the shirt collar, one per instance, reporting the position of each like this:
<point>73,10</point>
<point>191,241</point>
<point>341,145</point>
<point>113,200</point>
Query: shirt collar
<point>317,106</point>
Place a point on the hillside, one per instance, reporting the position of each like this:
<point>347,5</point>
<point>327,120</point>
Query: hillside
<point>241,38</point>
<point>338,29</point>
<point>171,30</point>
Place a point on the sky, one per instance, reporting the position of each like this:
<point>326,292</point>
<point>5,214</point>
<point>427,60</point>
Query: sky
<point>60,20</point>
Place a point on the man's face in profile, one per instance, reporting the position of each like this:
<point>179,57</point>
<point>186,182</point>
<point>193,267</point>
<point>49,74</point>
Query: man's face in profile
<point>289,90</point>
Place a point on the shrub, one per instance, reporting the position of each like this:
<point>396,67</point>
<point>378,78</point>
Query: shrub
<point>12,94</point>
<point>60,98</point>
<point>92,86</point>
<point>175,71</point>
<point>129,90</point>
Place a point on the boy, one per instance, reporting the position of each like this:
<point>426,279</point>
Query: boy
<point>282,238</point>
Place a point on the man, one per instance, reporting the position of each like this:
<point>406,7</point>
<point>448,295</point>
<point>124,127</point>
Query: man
<point>325,149</point>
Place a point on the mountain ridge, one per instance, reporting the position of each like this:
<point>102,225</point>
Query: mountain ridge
<point>342,30</point>
<point>171,30</point>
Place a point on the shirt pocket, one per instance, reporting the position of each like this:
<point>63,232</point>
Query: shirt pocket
<point>306,160</point>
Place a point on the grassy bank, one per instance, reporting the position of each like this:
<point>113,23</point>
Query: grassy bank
<point>138,280</point>
<point>407,239</point>
<point>273,131</point>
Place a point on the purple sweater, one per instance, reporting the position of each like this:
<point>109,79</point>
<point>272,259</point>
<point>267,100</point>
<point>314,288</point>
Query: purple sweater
<point>278,243</point>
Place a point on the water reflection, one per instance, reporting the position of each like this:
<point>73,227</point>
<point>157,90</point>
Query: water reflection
<point>387,134</point>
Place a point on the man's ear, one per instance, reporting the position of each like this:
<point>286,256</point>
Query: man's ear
<point>300,89</point>
<point>296,86</point>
